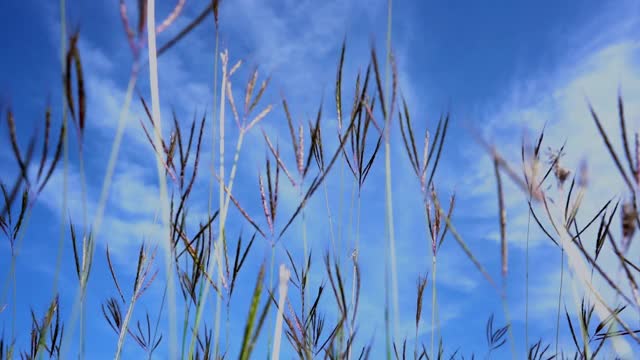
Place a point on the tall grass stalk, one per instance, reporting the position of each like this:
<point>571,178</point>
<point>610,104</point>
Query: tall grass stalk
<point>579,270</point>
<point>526,277</point>
<point>65,140</point>
<point>104,193</point>
<point>387,163</point>
<point>434,302</point>
<point>353,209</point>
<point>125,325</point>
<point>285,274</point>
<point>559,298</point>
<point>340,209</point>
<point>213,141</point>
<point>83,195</point>
<point>164,203</point>
<point>354,255</point>
<point>330,218</point>
<point>223,215</point>
<point>271,272</point>
<point>502,212</point>
<point>305,244</point>
<point>65,174</point>
<point>11,282</point>
<point>224,201</point>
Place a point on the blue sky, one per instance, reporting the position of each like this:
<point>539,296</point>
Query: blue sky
<point>501,68</point>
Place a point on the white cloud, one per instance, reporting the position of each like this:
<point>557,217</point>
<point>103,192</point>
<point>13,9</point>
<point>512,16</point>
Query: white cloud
<point>565,111</point>
<point>563,107</point>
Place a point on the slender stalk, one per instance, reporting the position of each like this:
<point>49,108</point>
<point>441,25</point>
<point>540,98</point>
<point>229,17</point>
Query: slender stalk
<point>84,211</point>
<point>155,108</point>
<point>504,254</point>
<point>330,218</point>
<point>65,174</point>
<point>559,298</point>
<point>104,194</point>
<point>353,274</point>
<point>305,244</point>
<point>580,270</point>
<point>340,208</point>
<point>271,271</point>
<point>223,218</point>
<point>125,324</point>
<point>355,195</point>
<point>526,281</point>
<point>389,199</point>
<point>433,302</point>
<point>185,326</point>
<point>285,274</point>
<point>223,215</point>
<point>213,140</point>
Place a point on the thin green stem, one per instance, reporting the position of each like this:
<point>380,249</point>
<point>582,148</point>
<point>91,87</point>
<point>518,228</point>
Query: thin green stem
<point>271,271</point>
<point>185,326</point>
<point>204,289</point>
<point>305,243</point>
<point>330,218</point>
<point>355,253</point>
<point>155,108</point>
<point>223,215</point>
<point>526,281</point>
<point>389,199</point>
<point>433,302</point>
<point>104,195</point>
<point>125,325</point>
<point>223,219</point>
<point>559,299</point>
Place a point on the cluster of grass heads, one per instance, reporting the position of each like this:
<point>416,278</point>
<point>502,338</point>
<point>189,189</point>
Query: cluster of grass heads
<point>203,259</point>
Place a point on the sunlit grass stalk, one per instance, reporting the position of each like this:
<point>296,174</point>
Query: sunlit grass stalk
<point>434,301</point>
<point>65,174</point>
<point>389,199</point>
<point>434,272</point>
<point>330,218</point>
<point>223,219</point>
<point>354,255</point>
<point>11,282</point>
<point>352,212</point>
<point>504,251</point>
<point>83,191</point>
<point>340,210</point>
<point>84,211</point>
<point>213,141</point>
<point>305,243</point>
<point>125,325</point>
<point>271,272</point>
<point>83,194</point>
<point>579,269</point>
<point>164,204</point>
<point>285,274</point>
<point>185,327</point>
<point>104,194</point>
<point>352,209</point>
<point>559,298</point>
<point>218,244</point>
<point>387,325</point>
<point>526,278</point>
